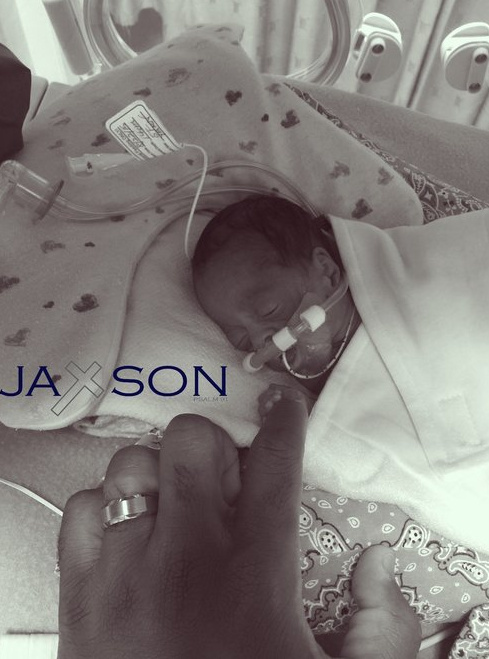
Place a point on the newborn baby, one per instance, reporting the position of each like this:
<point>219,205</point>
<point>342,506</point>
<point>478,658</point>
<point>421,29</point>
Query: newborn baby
<point>257,265</point>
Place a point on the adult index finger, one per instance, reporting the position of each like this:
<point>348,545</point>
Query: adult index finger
<point>199,474</point>
<point>79,548</point>
<point>268,505</point>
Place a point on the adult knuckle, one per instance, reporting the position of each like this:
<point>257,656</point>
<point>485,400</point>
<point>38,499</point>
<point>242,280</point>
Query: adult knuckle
<point>75,609</point>
<point>77,502</point>
<point>121,593</point>
<point>277,458</point>
<point>184,483</point>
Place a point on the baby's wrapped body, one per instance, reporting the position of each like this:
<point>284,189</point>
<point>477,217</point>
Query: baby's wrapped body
<point>403,416</point>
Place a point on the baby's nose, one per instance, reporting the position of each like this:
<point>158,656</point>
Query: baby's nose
<point>259,336</point>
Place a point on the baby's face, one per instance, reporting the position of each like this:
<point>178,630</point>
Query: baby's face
<point>249,294</point>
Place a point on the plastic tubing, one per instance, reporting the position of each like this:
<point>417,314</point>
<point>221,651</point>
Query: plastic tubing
<point>280,342</point>
<point>285,338</point>
<point>42,197</point>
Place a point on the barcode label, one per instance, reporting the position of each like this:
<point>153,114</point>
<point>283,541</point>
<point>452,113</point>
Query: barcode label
<point>141,132</point>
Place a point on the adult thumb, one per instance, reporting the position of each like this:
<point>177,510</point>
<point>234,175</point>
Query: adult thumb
<point>384,627</point>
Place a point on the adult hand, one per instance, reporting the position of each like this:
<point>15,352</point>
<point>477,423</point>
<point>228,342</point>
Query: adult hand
<point>215,573</point>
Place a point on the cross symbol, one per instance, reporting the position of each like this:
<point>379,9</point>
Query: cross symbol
<point>83,380</point>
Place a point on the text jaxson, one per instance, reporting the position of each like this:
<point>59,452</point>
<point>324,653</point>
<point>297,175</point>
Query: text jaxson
<point>165,380</point>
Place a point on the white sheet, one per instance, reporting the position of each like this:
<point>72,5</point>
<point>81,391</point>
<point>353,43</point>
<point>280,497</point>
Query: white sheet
<point>404,417</point>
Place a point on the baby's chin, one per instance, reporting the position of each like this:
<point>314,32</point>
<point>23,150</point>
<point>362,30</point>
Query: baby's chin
<point>293,358</point>
<point>277,365</point>
<point>298,362</point>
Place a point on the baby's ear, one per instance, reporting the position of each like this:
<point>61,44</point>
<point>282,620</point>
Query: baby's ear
<point>325,267</point>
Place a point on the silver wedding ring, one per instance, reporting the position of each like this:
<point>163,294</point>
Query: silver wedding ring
<point>130,507</point>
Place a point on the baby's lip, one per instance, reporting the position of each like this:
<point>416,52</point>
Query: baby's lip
<point>277,365</point>
<point>294,361</point>
<point>294,358</point>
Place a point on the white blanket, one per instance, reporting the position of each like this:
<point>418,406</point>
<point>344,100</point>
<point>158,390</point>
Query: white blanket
<point>404,417</point>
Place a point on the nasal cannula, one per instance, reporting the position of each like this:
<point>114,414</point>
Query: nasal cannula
<point>309,321</point>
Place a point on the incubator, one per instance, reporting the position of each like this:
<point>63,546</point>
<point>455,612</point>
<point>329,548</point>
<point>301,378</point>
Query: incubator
<point>116,31</point>
<point>431,57</point>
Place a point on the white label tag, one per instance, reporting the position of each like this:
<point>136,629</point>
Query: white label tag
<point>141,132</point>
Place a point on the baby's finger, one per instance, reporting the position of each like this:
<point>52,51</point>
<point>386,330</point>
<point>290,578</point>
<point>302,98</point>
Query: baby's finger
<point>267,399</point>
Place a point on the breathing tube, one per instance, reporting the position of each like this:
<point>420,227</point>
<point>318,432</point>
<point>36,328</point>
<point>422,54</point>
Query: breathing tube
<point>309,321</point>
<point>41,197</point>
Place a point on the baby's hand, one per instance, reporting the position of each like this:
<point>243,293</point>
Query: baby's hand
<point>277,392</point>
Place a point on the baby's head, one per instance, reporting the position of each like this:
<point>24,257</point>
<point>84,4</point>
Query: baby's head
<point>255,261</point>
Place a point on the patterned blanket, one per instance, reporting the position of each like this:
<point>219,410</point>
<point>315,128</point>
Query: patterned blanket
<point>78,298</point>
<point>441,580</point>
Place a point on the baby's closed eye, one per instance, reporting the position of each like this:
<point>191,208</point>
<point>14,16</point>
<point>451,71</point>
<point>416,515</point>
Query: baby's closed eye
<point>269,311</point>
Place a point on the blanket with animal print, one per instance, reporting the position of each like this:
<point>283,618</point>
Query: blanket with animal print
<point>97,317</point>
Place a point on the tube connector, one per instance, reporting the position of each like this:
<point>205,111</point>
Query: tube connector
<point>310,319</point>
<point>254,361</point>
<point>314,317</point>
<point>27,189</point>
<point>89,163</point>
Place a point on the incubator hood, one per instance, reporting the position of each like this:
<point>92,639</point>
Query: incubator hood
<point>317,32</point>
<point>432,57</point>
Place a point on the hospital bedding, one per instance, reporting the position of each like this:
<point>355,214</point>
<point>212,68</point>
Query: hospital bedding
<point>206,92</point>
<point>362,183</point>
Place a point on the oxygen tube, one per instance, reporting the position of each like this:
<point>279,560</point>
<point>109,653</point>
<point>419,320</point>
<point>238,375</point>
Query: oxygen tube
<point>28,189</point>
<point>309,321</point>
<point>143,136</point>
